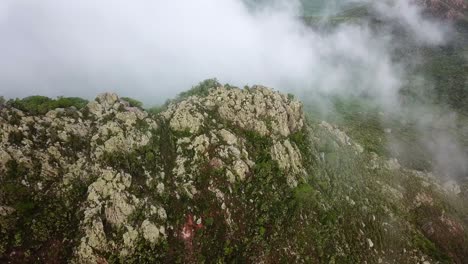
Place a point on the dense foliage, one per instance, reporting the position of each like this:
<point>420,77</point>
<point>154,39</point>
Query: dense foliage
<point>200,89</point>
<point>133,102</point>
<point>42,104</point>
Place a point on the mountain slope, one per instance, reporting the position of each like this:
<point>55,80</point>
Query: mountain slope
<point>220,175</point>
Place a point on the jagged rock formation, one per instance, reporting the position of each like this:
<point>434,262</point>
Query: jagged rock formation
<point>230,176</point>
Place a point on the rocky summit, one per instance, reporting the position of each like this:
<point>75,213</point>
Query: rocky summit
<point>224,175</point>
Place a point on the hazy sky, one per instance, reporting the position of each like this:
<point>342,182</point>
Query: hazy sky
<point>154,49</point>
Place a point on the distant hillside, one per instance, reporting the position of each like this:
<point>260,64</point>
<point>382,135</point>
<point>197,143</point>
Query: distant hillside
<point>449,9</point>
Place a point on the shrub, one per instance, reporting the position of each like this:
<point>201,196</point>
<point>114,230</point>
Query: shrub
<point>201,89</point>
<point>15,137</point>
<point>64,102</point>
<point>133,102</point>
<point>156,109</point>
<point>42,104</point>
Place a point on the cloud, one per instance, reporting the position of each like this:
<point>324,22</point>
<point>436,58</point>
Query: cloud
<point>153,50</point>
<point>148,49</point>
<point>410,15</point>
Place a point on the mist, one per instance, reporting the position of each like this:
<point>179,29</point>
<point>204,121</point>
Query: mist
<point>147,49</point>
<point>153,50</point>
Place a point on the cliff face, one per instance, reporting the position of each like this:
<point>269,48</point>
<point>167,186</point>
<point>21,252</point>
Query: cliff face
<point>230,175</point>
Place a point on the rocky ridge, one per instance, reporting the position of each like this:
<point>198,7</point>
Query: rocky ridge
<point>123,205</point>
<point>230,175</point>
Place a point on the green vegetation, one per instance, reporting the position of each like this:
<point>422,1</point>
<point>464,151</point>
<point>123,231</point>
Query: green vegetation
<point>44,223</point>
<point>15,137</point>
<point>397,135</point>
<point>41,104</point>
<point>156,109</point>
<point>133,102</point>
<point>344,202</point>
<point>144,253</point>
<point>447,71</point>
<point>202,89</point>
<point>259,208</point>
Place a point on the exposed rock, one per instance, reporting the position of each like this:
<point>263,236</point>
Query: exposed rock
<point>118,209</point>
<point>342,138</point>
<point>371,244</point>
<point>186,117</point>
<point>6,210</point>
<point>259,109</point>
<point>150,231</point>
<point>129,239</point>
<point>228,137</point>
<point>423,199</point>
<point>393,164</point>
<point>4,158</point>
<point>94,240</point>
<point>241,169</point>
<point>289,159</point>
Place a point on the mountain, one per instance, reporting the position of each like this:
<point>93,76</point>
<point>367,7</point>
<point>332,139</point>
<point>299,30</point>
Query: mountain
<point>219,174</point>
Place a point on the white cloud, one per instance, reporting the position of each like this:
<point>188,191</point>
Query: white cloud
<point>154,49</point>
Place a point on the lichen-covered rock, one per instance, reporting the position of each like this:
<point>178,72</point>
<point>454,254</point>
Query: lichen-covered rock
<point>186,117</point>
<point>258,109</point>
<point>289,159</point>
<point>150,231</point>
<point>6,210</point>
<point>4,159</point>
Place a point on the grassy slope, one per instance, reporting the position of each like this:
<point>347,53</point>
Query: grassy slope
<point>365,122</point>
<point>353,202</point>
